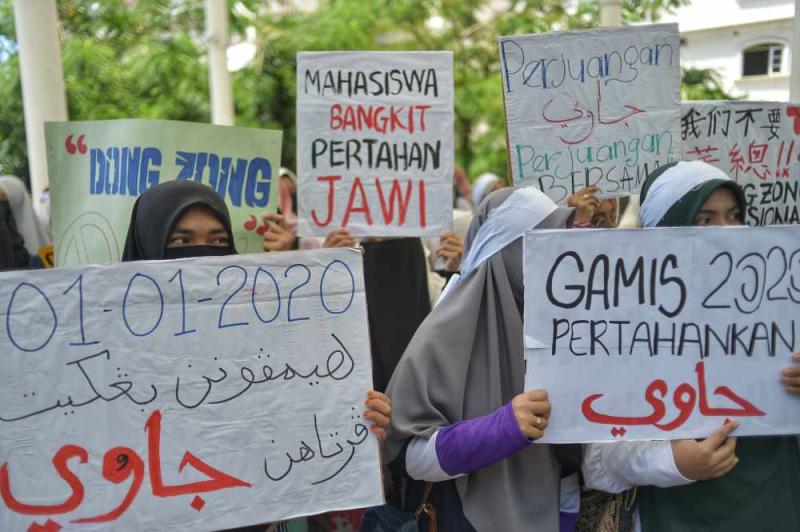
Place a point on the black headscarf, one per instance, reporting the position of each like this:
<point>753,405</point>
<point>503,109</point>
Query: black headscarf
<point>396,284</point>
<point>13,254</point>
<point>157,212</point>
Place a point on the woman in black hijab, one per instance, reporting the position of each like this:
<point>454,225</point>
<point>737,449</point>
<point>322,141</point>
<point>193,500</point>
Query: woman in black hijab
<point>179,219</point>
<point>13,254</point>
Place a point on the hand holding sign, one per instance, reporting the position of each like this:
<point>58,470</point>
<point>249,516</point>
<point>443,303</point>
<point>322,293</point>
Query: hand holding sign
<point>339,238</point>
<point>585,204</point>
<point>278,236</point>
<point>531,410</point>
<point>790,377</point>
<point>709,458</point>
<point>451,250</point>
<point>379,410</point>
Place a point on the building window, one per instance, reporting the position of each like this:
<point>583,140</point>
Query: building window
<point>763,60</point>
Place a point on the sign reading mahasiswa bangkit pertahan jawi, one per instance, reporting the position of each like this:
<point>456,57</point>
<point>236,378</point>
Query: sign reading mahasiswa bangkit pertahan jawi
<point>662,334</point>
<point>594,107</point>
<point>198,394</point>
<point>757,144</point>
<point>97,170</point>
<point>375,143</point>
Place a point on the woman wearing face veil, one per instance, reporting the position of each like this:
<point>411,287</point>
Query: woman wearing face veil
<point>179,219</point>
<point>462,418</point>
<point>721,483</point>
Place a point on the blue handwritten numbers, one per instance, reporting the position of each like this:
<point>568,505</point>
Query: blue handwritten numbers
<point>322,287</point>
<point>278,294</point>
<point>179,276</point>
<point>243,272</point>
<point>157,321</point>
<point>79,283</point>
<point>276,299</point>
<point>24,295</point>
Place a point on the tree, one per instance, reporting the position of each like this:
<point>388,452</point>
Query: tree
<point>146,59</point>
<point>702,84</point>
<point>121,60</point>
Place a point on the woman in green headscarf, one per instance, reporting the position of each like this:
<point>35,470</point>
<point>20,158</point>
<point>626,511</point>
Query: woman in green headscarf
<point>718,484</point>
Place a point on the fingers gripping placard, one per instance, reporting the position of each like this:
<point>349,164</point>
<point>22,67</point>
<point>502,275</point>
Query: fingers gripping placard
<point>197,394</point>
<point>662,333</point>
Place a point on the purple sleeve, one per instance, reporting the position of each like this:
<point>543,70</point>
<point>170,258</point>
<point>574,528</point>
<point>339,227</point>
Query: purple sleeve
<point>470,445</point>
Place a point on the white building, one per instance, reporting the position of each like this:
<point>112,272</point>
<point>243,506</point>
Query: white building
<point>748,42</point>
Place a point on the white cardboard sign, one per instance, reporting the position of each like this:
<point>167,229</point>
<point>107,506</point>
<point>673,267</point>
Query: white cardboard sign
<point>594,107</point>
<point>375,143</point>
<point>195,394</point>
<point>757,144</point>
<point>662,333</point>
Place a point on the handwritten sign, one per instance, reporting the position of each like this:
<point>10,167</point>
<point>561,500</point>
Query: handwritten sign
<point>662,333</point>
<point>596,107</point>
<point>197,394</point>
<point>755,143</point>
<point>375,142</point>
<point>98,169</point>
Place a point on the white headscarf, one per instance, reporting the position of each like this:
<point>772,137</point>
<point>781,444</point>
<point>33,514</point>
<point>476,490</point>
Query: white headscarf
<point>672,185</point>
<point>27,223</point>
<point>524,209</point>
<point>482,186</point>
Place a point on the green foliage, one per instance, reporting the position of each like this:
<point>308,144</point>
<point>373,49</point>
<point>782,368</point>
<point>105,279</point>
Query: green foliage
<point>121,59</point>
<point>702,84</point>
<point>146,59</point>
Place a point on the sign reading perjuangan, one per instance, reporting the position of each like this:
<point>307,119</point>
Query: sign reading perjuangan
<point>595,107</point>
<point>375,142</point>
<point>662,333</point>
<point>198,394</point>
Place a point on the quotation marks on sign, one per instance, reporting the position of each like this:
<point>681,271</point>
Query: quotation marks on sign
<point>252,224</point>
<point>78,146</point>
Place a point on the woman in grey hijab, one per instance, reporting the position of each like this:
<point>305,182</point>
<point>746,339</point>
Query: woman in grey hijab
<point>461,417</point>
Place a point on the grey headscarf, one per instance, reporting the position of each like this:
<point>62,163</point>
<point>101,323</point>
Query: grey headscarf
<point>466,361</point>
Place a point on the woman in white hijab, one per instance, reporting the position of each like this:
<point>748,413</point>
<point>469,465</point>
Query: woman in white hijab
<point>22,210</point>
<point>720,484</point>
<point>483,186</point>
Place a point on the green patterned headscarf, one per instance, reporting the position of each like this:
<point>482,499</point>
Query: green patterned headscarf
<point>673,194</point>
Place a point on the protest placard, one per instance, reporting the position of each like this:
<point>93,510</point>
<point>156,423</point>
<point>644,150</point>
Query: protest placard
<point>595,107</point>
<point>197,394</point>
<point>97,170</point>
<point>662,333</point>
<point>757,144</point>
<point>375,143</point>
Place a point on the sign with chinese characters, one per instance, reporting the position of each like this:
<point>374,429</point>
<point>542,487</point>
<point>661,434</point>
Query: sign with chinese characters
<point>758,145</point>
<point>198,394</point>
<point>661,334</point>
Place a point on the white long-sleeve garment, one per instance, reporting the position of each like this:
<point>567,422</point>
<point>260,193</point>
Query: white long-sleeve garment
<point>618,466</point>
